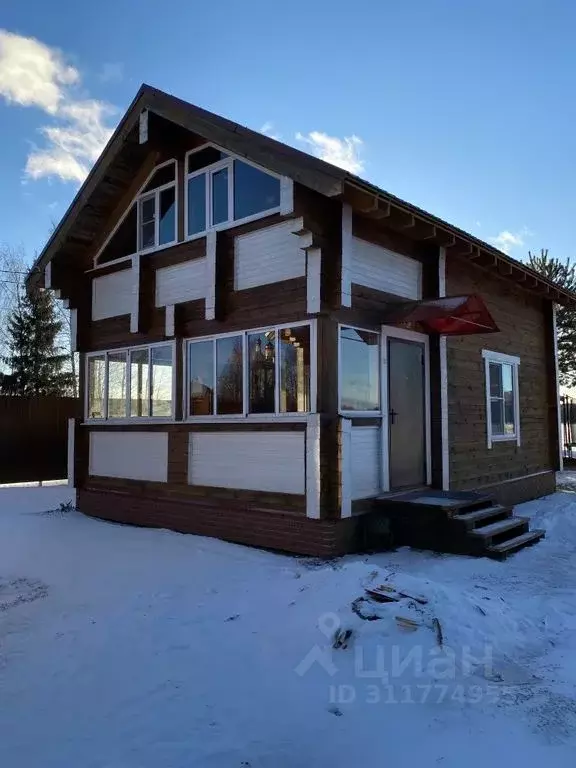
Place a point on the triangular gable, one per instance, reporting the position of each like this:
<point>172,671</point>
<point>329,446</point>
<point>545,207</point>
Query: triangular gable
<point>262,150</point>
<point>124,153</point>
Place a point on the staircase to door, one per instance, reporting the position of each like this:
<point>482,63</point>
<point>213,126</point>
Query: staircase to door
<point>464,522</point>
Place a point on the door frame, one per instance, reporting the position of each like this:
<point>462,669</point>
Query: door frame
<point>388,332</point>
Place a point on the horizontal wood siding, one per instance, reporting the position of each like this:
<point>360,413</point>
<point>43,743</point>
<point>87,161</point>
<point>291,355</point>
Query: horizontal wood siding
<point>131,455</point>
<point>521,319</point>
<point>268,255</point>
<point>181,282</point>
<point>260,461</point>
<point>366,461</point>
<point>177,275</point>
<point>112,294</point>
<point>384,270</point>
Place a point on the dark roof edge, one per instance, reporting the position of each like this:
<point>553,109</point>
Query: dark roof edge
<point>317,174</point>
<point>429,218</point>
<point>87,187</point>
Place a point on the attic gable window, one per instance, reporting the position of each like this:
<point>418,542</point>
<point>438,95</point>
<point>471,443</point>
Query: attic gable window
<point>157,209</point>
<point>221,190</point>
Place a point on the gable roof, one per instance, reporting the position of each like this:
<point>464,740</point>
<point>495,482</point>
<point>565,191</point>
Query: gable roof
<point>309,171</point>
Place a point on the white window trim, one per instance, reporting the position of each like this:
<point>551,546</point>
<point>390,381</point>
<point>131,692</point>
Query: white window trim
<point>209,170</point>
<point>128,419</point>
<point>246,415</point>
<point>136,201</point>
<point>499,357</point>
<point>154,194</point>
<point>359,414</point>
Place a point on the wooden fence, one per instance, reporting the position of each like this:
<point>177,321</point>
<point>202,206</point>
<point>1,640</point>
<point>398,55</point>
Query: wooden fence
<point>34,437</point>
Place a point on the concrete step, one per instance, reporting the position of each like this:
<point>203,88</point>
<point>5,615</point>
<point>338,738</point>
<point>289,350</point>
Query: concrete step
<point>505,548</point>
<point>489,532</point>
<point>494,513</point>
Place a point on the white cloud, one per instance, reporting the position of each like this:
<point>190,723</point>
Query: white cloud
<point>34,75</point>
<point>507,240</point>
<point>345,153</point>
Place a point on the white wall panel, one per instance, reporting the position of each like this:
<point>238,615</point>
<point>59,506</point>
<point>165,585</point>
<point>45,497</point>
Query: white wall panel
<point>131,455</point>
<point>112,295</point>
<point>181,282</point>
<point>377,267</point>
<point>257,461</point>
<point>268,255</point>
<point>366,461</point>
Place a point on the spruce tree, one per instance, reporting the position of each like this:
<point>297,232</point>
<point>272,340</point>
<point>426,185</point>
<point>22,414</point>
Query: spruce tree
<point>34,359</point>
<point>564,275</point>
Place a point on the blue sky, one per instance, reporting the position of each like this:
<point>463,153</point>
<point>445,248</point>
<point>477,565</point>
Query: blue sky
<point>464,108</point>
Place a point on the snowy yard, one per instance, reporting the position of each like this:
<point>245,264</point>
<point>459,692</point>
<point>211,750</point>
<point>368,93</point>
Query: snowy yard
<point>132,648</point>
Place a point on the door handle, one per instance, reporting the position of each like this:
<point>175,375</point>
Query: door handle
<point>392,416</point>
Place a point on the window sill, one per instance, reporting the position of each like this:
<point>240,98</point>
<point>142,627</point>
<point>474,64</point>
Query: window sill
<point>135,420</point>
<point>262,418</point>
<point>146,252</point>
<point>230,224</point>
<point>494,439</point>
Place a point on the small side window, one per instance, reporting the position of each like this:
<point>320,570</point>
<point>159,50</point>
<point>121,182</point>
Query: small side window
<point>502,404</point>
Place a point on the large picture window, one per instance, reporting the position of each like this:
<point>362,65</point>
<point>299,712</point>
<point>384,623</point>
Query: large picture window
<point>131,383</point>
<point>255,372</point>
<point>502,404</point>
<point>221,190</point>
<point>359,370</point>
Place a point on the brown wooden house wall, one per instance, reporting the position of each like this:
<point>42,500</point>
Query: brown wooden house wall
<point>279,520</point>
<point>525,331</point>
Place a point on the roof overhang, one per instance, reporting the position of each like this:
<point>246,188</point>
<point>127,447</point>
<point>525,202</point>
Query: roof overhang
<point>421,225</point>
<point>305,169</point>
<point>449,316</point>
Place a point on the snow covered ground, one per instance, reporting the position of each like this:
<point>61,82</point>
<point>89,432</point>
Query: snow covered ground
<point>130,648</point>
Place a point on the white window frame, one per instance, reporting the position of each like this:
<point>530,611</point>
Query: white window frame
<point>136,200</point>
<point>128,419</point>
<point>246,415</point>
<point>498,357</point>
<point>359,414</point>
<point>154,194</point>
<point>209,170</point>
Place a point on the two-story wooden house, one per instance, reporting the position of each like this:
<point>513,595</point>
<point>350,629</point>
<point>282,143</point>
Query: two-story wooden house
<point>269,344</point>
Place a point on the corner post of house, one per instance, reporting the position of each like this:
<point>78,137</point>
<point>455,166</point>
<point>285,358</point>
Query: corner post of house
<point>345,440</point>
<point>313,466</point>
<point>556,447</point>
<point>327,408</point>
<point>434,286</point>
<point>71,452</point>
<point>444,435</point>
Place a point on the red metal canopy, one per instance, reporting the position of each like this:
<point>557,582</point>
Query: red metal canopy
<point>450,316</point>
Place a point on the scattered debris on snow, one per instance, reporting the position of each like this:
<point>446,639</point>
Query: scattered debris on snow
<point>136,635</point>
